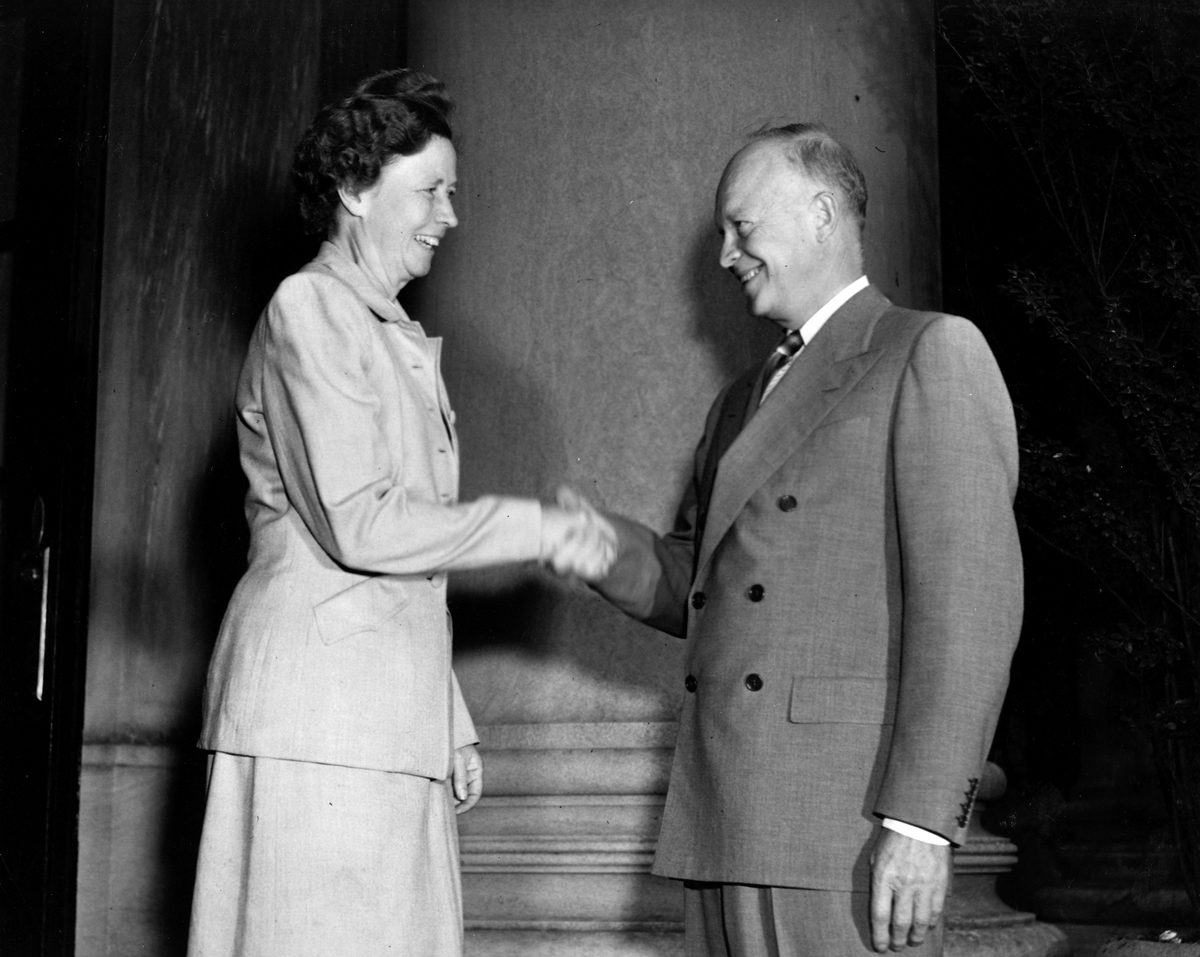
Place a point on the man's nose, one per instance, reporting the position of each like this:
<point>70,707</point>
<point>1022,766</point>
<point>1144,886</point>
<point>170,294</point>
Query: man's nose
<point>729,251</point>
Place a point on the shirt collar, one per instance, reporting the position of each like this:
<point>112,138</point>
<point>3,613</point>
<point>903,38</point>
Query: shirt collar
<point>335,259</point>
<point>818,318</point>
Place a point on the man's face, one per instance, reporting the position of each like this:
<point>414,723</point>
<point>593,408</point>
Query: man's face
<point>765,217</point>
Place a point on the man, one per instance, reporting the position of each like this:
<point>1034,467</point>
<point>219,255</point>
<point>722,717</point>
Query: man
<point>846,570</point>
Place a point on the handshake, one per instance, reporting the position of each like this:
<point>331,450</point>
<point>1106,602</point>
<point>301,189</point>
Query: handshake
<point>576,539</point>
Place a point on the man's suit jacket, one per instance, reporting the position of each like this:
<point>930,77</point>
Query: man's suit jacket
<point>845,567</point>
<point>335,647</point>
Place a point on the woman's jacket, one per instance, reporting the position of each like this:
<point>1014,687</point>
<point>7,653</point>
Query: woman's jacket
<point>335,647</point>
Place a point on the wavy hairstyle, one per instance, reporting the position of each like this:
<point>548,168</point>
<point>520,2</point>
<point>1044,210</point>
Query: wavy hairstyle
<point>810,147</point>
<point>394,113</point>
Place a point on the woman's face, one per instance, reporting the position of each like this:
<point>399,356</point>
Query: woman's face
<point>404,214</point>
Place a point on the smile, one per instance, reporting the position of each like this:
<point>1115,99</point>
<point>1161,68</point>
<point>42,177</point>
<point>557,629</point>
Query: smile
<point>430,242</point>
<point>751,274</point>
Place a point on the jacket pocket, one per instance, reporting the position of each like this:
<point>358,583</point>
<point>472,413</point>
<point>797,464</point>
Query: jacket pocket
<point>852,425</point>
<point>359,609</point>
<point>840,701</point>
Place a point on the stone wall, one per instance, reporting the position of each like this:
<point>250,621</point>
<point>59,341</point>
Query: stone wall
<point>587,328</point>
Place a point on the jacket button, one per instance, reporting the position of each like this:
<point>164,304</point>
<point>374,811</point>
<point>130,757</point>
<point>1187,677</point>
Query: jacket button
<point>755,592</point>
<point>698,600</point>
<point>754,682</point>
<point>786,503</point>
<point>691,683</point>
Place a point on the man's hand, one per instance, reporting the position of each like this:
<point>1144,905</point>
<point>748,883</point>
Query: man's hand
<point>467,778</point>
<point>576,539</point>
<point>908,890</point>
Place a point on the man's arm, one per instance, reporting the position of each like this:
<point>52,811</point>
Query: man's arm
<point>955,466</point>
<point>652,574</point>
<point>650,578</point>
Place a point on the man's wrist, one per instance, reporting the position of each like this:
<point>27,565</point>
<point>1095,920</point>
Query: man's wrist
<point>916,833</point>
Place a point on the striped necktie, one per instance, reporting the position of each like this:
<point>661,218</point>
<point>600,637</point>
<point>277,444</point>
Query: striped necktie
<point>777,361</point>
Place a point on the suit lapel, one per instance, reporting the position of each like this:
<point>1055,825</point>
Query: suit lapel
<point>736,408</point>
<point>822,375</point>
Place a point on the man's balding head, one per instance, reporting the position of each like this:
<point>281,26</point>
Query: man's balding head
<point>789,209</point>
<point>816,154</point>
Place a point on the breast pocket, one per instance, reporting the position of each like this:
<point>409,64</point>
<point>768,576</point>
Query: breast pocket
<point>363,608</point>
<point>840,701</point>
<point>845,436</point>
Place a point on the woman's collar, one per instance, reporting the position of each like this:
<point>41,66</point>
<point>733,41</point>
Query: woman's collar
<point>339,261</point>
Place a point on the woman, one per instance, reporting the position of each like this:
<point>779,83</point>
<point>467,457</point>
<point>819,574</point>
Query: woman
<point>342,743</point>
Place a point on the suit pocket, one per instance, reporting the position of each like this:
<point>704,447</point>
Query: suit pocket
<point>838,464</point>
<point>840,701</point>
<point>853,426</point>
<point>359,609</point>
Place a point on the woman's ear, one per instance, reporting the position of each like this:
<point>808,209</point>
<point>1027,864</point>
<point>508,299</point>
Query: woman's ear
<point>354,201</point>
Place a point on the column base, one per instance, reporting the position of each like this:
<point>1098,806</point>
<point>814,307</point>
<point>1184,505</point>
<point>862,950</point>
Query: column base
<point>579,942</point>
<point>1019,935</point>
<point>1029,939</point>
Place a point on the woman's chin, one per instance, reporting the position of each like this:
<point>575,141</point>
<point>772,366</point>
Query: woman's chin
<point>418,268</point>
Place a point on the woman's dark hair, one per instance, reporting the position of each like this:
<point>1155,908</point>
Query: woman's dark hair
<point>394,113</point>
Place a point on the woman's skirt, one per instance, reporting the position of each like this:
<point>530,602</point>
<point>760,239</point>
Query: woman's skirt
<point>313,860</point>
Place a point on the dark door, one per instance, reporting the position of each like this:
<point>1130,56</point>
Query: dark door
<point>54,62</point>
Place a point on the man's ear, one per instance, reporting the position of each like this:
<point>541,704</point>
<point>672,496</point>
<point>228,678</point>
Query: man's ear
<point>827,213</point>
<point>354,201</point>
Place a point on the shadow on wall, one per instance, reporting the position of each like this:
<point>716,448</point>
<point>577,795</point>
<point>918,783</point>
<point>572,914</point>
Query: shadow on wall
<point>216,537</point>
<point>515,609</point>
<point>902,86</point>
<point>513,620</point>
<point>177,850</point>
<point>735,339</point>
<point>524,614</point>
<point>267,250</point>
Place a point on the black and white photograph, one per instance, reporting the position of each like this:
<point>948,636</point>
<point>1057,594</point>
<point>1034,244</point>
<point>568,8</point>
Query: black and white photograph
<point>599,478</point>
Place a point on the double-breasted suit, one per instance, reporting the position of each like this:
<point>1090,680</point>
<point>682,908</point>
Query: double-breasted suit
<point>846,571</point>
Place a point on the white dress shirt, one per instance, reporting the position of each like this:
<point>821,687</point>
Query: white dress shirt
<point>813,325</point>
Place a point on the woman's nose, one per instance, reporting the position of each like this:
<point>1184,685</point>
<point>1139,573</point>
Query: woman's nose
<point>446,214</point>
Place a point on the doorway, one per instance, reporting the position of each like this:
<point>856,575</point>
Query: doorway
<point>54,63</point>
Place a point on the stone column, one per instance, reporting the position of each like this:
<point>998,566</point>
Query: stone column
<point>978,922</point>
<point>587,329</point>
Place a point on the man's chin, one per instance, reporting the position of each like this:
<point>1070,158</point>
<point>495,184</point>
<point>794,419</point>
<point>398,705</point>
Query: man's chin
<point>761,310</point>
<point>756,307</point>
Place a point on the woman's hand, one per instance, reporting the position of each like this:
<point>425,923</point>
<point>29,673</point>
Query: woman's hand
<point>467,778</point>
<point>576,539</point>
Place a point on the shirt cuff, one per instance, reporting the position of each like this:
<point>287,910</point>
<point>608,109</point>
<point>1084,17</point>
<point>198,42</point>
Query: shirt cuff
<point>538,554</point>
<point>916,833</point>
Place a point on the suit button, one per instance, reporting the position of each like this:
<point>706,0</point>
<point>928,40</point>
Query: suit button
<point>755,592</point>
<point>691,683</point>
<point>786,503</point>
<point>698,600</point>
<point>754,682</point>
